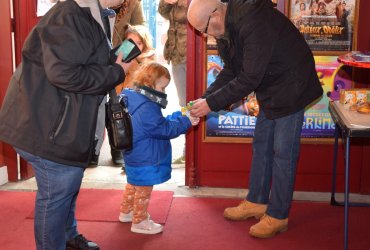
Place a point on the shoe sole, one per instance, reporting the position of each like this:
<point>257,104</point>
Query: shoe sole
<point>124,220</point>
<point>143,231</point>
<point>265,236</point>
<point>119,164</point>
<point>229,217</point>
<point>74,248</point>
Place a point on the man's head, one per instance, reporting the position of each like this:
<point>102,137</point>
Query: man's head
<point>208,16</point>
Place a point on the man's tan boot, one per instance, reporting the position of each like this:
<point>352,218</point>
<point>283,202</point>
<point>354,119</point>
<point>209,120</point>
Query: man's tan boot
<point>245,210</point>
<point>268,227</point>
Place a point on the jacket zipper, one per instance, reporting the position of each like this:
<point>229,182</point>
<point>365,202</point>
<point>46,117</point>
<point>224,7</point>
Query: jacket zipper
<point>58,125</point>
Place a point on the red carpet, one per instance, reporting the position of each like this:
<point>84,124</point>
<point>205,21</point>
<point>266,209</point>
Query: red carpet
<point>196,223</point>
<point>101,205</point>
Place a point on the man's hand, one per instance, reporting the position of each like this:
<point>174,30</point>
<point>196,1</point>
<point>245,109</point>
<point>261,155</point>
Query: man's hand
<point>200,108</point>
<point>171,1</point>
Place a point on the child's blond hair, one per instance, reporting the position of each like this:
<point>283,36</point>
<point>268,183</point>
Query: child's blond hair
<point>142,32</point>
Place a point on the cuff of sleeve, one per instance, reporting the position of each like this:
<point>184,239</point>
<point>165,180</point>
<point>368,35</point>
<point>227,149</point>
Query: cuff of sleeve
<point>122,75</point>
<point>212,103</point>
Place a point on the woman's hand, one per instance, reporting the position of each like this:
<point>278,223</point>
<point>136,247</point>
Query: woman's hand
<point>125,66</point>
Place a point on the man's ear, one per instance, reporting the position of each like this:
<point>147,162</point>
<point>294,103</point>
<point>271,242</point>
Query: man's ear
<point>216,15</point>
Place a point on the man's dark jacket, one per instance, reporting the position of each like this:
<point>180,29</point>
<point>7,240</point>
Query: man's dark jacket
<point>51,105</point>
<point>263,52</point>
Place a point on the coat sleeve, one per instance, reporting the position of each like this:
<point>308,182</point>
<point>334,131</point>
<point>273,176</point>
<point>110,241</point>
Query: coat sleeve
<point>258,44</point>
<point>137,16</point>
<point>159,127</point>
<point>164,9</point>
<point>74,60</point>
<point>225,75</point>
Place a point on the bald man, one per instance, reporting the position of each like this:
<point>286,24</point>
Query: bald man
<point>262,52</point>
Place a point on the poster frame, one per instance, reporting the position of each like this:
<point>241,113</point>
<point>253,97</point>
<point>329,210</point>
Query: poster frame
<point>212,51</point>
<point>216,139</point>
<point>353,39</point>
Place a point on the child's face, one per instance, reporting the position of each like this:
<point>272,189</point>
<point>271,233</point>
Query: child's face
<point>161,84</point>
<point>137,40</point>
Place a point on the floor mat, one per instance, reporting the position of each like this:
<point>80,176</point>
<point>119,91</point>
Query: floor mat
<point>192,223</point>
<point>103,205</point>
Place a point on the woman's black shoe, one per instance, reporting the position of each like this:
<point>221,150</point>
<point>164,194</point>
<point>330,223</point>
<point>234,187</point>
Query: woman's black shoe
<point>81,243</point>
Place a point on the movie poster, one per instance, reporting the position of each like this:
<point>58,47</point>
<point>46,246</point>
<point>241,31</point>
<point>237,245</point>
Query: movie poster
<point>327,25</point>
<point>317,119</point>
<point>239,120</point>
<point>234,122</point>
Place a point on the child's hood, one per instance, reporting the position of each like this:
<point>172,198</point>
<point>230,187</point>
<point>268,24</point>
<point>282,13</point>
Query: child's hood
<point>134,99</point>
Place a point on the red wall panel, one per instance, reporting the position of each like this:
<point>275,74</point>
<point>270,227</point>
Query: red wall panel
<point>24,20</point>
<point>7,157</point>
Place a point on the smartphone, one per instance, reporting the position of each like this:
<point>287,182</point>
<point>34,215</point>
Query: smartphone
<point>129,50</point>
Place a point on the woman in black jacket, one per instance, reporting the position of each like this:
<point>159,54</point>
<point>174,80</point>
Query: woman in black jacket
<point>262,52</point>
<point>50,110</point>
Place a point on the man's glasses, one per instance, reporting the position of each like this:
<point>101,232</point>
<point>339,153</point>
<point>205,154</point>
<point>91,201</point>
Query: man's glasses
<point>209,18</point>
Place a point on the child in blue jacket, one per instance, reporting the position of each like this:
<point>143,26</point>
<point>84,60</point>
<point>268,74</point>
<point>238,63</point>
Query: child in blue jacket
<point>149,161</point>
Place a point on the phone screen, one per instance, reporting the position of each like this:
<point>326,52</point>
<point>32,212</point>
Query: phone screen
<point>125,48</point>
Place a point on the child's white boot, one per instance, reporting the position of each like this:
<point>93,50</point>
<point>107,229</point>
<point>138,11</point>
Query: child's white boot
<point>125,217</point>
<point>147,226</point>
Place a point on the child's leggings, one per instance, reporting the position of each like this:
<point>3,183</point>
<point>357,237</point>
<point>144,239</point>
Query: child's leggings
<point>136,199</point>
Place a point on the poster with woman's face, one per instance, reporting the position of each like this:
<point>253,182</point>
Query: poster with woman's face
<point>327,25</point>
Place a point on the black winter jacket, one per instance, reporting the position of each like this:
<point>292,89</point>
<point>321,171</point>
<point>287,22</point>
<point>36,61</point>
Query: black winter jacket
<point>51,105</point>
<point>263,52</point>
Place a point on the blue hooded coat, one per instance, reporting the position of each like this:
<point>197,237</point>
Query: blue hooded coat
<point>149,161</point>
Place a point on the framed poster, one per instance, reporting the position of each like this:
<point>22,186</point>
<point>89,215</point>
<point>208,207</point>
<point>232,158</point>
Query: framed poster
<point>237,125</point>
<point>232,125</point>
<point>333,77</point>
<point>329,26</point>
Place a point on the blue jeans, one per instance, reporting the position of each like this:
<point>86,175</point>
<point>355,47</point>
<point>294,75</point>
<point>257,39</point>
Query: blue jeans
<point>276,146</point>
<point>58,186</point>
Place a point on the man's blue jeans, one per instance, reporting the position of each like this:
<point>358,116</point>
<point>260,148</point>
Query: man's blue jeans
<point>58,186</point>
<point>276,146</point>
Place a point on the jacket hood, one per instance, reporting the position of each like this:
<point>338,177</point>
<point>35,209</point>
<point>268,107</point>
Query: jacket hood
<point>134,99</point>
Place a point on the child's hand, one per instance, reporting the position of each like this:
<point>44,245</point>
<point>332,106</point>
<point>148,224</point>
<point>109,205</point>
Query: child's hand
<point>194,120</point>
